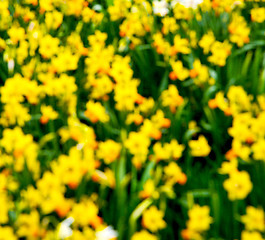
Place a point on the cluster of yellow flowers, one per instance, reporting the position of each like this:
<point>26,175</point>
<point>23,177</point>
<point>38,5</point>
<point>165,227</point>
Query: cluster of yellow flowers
<point>106,118</point>
<point>254,223</point>
<point>199,222</point>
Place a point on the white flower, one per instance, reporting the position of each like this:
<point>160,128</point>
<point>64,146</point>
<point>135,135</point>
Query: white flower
<point>160,8</point>
<point>97,7</point>
<point>79,146</point>
<point>106,234</point>
<point>31,26</point>
<point>65,230</point>
<point>35,35</point>
<point>11,65</point>
<point>187,3</point>
<point>134,9</point>
<point>237,3</point>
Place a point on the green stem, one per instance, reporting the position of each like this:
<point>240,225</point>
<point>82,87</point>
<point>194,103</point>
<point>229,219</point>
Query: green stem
<point>235,222</point>
<point>121,192</point>
<point>55,140</point>
<point>136,214</point>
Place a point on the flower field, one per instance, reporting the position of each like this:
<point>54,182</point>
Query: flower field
<point>132,119</point>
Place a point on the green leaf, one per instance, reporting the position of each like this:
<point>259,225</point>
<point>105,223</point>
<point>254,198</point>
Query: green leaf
<point>200,193</point>
<point>138,211</point>
<point>207,95</point>
<point>164,82</point>
<point>248,47</point>
<point>146,174</point>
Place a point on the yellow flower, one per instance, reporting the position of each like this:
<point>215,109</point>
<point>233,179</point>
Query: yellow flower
<point>22,52</point>
<point>29,225</point>
<point>135,118</point>
<point>176,149</point>
<point>174,174</point>
<point>179,72</point>
<point>56,202</point>
<point>88,14</point>
<point>221,102</point>
<point>239,100</point>
<point>50,183</point>
<point>109,151</point>
<point>49,46</point>
<point>161,45</point>
<point>193,38</point>
<point>159,120</point>
<point>16,34</point>
<point>161,152</point>
<point>65,61</point>
<point>169,25</point>
<point>254,219</point>
<point>32,197</point>
<point>200,147</point>
<point>99,59</point>
<point>62,87</point>
<point>150,129</point>
<point>149,190</point>
<point>96,112</point>
<point>199,73</point>
<point>75,43</point>
<point>121,70</point>
<point>106,178</point>
<point>126,95</point>
<point>181,45</point>
<point>143,235</point>
<point>228,167</point>
<point>238,185</point>
<point>188,234</point>
<point>6,205</point>
<point>193,125</point>
<point>119,9</point>
<point>81,215</point>
<point>251,236</point>
<point>22,148</point>
<point>14,113</point>
<point>53,19</point>
<point>240,129</point>
<point>220,51</point>
<point>70,169</point>
<point>45,5</point>
<point>7,233</point>
<point>100,86</point>
<point>171,98</point>
<point>98,39</point>
<point>199,219</point>
<point>153,219</point>
<point>258,149</point>
<point>2,44</point>
<point>147,105</point>
<point>134,25</point>
<point>29,89</point>
<point>74,7</point>
<point>137,143</point>
<point>241,150</point>
<point>47,114</point>
<point>79,132</point>
<point>258,15</point>
<point>206,42</point>
<point>239,31</point>
<point>181,12</point>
